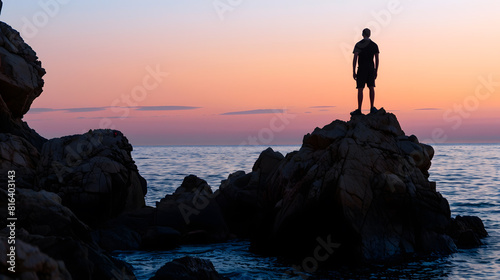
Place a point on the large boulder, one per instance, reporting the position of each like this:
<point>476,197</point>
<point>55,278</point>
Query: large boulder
<point>193,212</point>
<point>20,72</point>
<point>18,155</point>
<point>93,173</point>
<point>43,222</point>
<point>20,83</point>
<point>30,263</point>
<point>188,268</point>
<point>238,195</point>
<point>189,215</point>
<point>466,231</point>
<point>361,185</point>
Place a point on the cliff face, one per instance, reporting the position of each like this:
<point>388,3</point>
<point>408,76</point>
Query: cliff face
<point>20,72</point>
<point>20,83</point>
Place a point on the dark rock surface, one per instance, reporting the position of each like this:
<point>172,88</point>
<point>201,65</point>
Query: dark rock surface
<point>20,83</point>
<point>362,184</point>
<point>188,268</point>
<point>94,174</point>
<point>467,231</point>
<point>192,211</point>
<point>21,72</point>
<point>238,195</point>
<point>17,154</point>
<point>190,215</point>
<point>43,222</point>
<point>31,263</point>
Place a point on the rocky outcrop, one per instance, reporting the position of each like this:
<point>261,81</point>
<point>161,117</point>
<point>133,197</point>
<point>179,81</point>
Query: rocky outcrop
<point>19,155</point>
<point>238,195</point>
<point>30,263</point>
<point>466,231</point>
<point>20,83</point>
<point>93,173</point>
<point>43,222</point>
<point>192,211</point>
<point>21,72</point>
<point>362,185</point>
<point>190,215</point>
<point>188,268</point>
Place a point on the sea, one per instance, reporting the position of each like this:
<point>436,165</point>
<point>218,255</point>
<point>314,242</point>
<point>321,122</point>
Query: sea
<point>468,175</point>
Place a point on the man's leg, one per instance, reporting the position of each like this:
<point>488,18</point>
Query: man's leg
<point>372,96</point>
<point>360,98</point>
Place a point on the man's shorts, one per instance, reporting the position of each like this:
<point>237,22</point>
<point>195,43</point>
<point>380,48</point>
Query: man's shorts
<point>365,76</point>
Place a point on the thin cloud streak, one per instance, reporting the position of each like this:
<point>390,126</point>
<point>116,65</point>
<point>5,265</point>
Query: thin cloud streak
<point>98,109</point>
<point>321,107</point>
<point>67,110</point>
<point>85,110</point>
<point>42,110</point>
<point>255,112</point>
<point>166,108</point>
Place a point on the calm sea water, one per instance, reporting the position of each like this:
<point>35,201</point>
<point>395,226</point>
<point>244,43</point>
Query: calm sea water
<point>467,175</point>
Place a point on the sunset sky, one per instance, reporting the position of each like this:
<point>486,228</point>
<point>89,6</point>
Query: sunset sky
<point>259,71</point>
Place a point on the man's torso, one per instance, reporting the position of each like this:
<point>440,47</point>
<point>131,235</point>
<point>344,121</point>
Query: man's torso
<point>366,50</point>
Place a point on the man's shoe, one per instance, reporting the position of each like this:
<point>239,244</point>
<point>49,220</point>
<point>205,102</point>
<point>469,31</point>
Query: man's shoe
<point>373,110</point>
<point>356,112</point>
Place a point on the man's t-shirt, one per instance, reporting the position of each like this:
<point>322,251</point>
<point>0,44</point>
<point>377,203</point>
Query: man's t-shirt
<point>366,49</point>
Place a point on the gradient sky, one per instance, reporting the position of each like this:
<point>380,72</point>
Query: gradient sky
<point>259,71</point>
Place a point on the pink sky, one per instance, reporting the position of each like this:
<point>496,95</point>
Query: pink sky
<point>168,74</point>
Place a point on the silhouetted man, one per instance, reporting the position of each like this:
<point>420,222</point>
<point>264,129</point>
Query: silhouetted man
<point>364,51</point>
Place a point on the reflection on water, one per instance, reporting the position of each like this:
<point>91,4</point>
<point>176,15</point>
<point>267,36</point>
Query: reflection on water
<point>467,175</point>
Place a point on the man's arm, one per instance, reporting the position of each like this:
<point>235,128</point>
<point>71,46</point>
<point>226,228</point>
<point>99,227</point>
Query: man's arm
<point>354,62</point>
<point>376,64</point>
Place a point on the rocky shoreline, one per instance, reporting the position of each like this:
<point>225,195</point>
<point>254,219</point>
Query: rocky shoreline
<point>359,188</point>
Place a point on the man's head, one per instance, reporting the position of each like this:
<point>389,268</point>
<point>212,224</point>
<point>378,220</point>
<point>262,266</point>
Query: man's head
<point>366,33</point>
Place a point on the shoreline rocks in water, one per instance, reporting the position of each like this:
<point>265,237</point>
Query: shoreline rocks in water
<point>188,268</point>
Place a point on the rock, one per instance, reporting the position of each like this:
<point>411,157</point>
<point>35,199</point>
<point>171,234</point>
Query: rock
<point>41,213</point>
<point>93,173</point>
<point>30,263</point>
<point>193,212</point>
<point>20,72</point>
<point>160,238</point>
<point>467,231</point>
<point>362,184</point>
<point>188,268</point>
<point>117,238</point>
<point>126,231</point>
<point>83,260</point>
<point>238,195</point>
<point>20,83</point>
<point>268,161</point>
<point>44,222</point>
<point>18,155</point>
